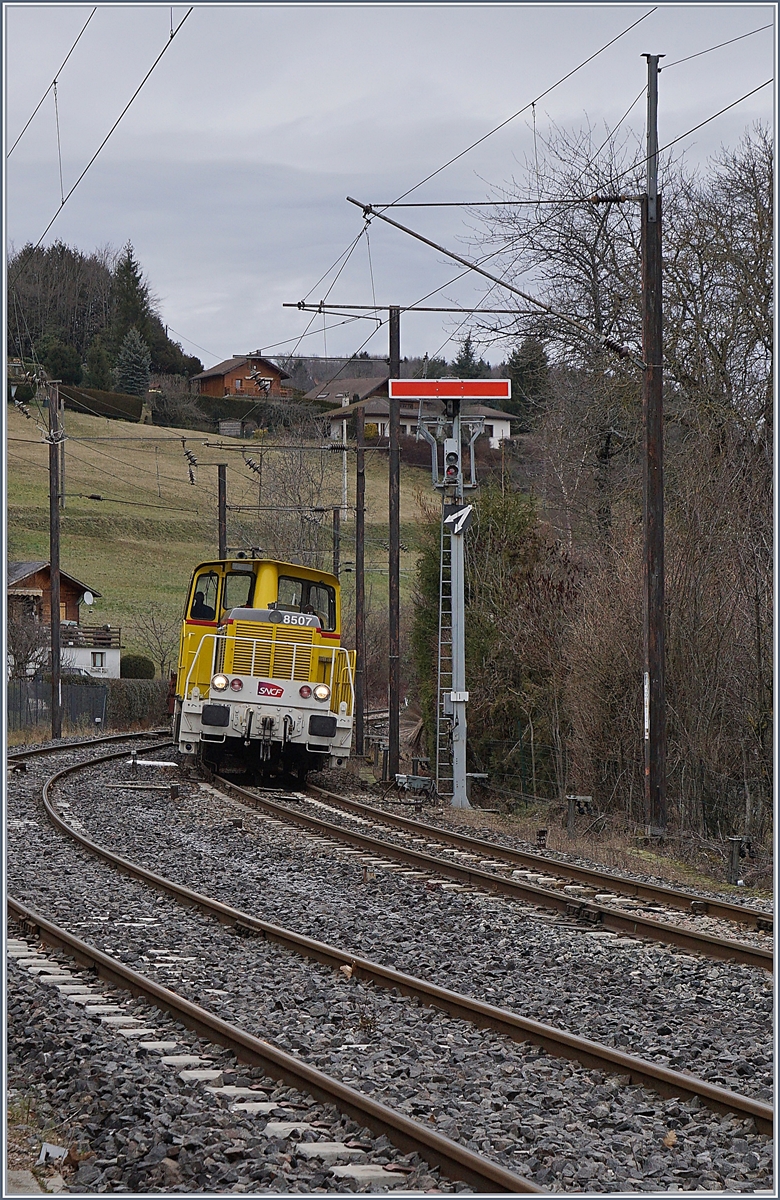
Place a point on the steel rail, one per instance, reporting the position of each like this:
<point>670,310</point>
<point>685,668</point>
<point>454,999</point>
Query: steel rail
<point>557,1042</point>
<point>673,897</point>
<point>19,755</point>
<point>586,910</point>
<point>407,1135</point>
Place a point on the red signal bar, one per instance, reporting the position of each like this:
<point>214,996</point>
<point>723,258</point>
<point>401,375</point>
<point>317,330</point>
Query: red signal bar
<point>450,389</point>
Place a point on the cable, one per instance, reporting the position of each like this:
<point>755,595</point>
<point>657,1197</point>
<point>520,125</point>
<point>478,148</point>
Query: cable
<point>195,344</point>
<point>525,107</point>
<point>558,82</point>
<point>709,50</point>
<point>130,503</point>
<point>111,130</point>
<point>59,147</point>
<point>52,84</point>
<point>733,104</point>
<point>701,124</point>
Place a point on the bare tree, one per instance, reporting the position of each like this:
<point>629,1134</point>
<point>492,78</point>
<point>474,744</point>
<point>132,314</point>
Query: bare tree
<point>28,644</point>
<point>156,632</point>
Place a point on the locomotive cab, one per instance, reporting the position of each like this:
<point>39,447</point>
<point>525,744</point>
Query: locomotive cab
<point>263,681</point>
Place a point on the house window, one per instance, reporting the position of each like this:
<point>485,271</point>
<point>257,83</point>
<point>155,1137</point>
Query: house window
<point>98,658</point>
<point>239,384</point>
<point>62,611</point>
<point>489,430</point>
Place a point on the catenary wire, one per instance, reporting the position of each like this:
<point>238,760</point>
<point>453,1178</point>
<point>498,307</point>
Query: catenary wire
<point>709,49</point>
<point>52,84</point>
<point>525,107</point>
<point>111,130</point>
<point>59,144</point>
<point>438,171</point>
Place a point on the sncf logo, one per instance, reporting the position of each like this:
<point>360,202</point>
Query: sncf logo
<point>269,689</point>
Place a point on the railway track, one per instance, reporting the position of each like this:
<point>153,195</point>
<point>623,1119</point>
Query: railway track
<point>555,1041</point>
<point>20,756</point>
<point>488,877</point>
<point>457,1005</point>
<point>408,1135</point>
<point>547,865</point>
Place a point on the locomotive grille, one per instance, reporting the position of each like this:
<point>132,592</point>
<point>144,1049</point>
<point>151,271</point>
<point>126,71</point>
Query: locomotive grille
<point>269,652</point>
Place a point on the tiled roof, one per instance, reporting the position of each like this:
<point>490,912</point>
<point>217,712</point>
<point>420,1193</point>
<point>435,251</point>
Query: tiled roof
<point>238,360</point>
<point>18,571</point>
<point>337,388</point>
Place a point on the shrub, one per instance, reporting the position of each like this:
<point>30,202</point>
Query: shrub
<point>136,666</point>
<point>136,701</point>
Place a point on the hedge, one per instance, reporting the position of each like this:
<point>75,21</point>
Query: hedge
<point>136,701</point>
<point>136,666</point>
<point>25,392</point>
<point>105,404</point>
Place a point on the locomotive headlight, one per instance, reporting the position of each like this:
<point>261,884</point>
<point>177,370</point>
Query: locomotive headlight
<point>236,685</point>
<point>322,692</point>
<point>219,683</point>
<point>304,692</point>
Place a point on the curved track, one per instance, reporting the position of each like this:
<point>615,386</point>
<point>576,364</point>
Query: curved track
<point>409,1135</point>
<point>558,1042</point>
<point>606,881</point>
<point>602,915</point>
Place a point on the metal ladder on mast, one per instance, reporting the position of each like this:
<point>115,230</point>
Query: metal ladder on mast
<point>444,776</point>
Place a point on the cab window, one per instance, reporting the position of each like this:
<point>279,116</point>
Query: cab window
<point>204,601</point>
<point>322,599</point>
<point>239,589</point>
<point>298,595</point>
<point>289,596</point>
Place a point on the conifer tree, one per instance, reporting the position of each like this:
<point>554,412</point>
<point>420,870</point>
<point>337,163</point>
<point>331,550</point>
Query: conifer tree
<point>529,369</point>
<point>133,363</point>
<point>467,365</point>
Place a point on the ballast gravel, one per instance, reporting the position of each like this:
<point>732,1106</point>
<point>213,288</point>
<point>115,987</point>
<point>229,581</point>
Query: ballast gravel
<point>713,1019</point>
<point>133,1125</point>
<point>565,1127</point>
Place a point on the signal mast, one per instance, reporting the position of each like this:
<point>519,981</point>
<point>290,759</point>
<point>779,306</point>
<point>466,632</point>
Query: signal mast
<point>450,429</point>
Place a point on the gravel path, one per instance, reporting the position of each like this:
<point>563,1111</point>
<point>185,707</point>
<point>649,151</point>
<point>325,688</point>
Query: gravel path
<point>566,1127</point>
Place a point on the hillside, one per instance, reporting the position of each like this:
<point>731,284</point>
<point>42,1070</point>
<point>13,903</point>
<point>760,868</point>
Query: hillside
<point>142,540</point>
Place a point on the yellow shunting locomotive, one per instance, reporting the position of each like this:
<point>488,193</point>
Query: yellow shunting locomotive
<point>263,682</point>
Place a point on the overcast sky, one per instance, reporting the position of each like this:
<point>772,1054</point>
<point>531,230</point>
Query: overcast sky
<point>229,172</point>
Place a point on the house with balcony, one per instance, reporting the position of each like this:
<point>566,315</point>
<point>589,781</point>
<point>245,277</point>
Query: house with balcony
<point>85,648</point>
<point>244,376</point>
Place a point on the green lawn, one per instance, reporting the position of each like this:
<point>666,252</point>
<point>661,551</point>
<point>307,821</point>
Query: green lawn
<point>141,542</point>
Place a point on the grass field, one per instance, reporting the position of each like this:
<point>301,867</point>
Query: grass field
<point>143,539</point>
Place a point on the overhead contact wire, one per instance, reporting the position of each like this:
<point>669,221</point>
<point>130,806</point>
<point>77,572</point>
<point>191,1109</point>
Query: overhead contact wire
<point>113,127</point>
<point>52,84</point>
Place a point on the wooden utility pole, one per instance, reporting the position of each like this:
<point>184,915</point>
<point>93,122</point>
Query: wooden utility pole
<point>394,560</point>
<point>61,416</point>
<point>360,581</point>
<point>222,506</point>
<point>652,406</point>
<point>337,542</point>
<point>54,557</point>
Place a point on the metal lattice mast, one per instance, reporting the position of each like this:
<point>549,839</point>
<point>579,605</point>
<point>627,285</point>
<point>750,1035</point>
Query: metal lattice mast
<point>444,668</point>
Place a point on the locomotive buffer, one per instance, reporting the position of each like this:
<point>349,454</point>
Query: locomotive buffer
<point>451,428</point>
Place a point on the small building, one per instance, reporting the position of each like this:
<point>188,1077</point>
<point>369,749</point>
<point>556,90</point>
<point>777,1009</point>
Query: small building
<point>243,375</point>
<point>375,402</point>
<point>94,649</point>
